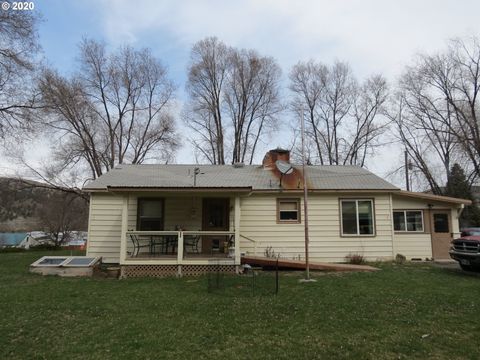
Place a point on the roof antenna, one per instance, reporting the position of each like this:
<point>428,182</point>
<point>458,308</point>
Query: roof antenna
<point>196,172</point>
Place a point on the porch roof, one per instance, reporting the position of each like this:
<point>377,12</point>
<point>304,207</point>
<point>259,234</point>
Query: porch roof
<point>228,177</point>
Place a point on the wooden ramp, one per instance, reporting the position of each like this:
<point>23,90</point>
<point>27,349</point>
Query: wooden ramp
<point>300,265</point>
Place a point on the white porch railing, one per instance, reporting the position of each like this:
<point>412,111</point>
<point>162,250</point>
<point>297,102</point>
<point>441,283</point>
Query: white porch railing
<point>179,245</point>
<point>127,253</point>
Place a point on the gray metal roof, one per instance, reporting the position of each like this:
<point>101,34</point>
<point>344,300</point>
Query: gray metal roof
<point>253,177</point>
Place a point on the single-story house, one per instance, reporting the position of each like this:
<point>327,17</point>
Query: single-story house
<point>182,219</point>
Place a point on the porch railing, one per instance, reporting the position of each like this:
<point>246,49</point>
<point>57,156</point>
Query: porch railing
<point>180,244</point>
<point>209,244</point>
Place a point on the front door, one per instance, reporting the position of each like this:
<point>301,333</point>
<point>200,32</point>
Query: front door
<point>441,234</point>
<point>215,218</point>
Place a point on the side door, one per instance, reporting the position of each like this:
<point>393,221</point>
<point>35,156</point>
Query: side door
<point>215,218</point>
<point>441,234</point>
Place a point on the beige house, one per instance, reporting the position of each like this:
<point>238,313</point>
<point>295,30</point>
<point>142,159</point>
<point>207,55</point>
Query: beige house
<point>184,219</point>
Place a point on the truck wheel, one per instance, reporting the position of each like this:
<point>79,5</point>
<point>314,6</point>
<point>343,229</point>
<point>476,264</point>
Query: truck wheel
<point>466,267</point>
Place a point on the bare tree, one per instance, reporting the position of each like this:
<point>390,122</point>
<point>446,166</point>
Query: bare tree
<point>342,116</point>
<point>18,49</point>
<point>234,99</point>
<point>206,76</point>
<point>61,214</point>
<point>251,99</point>
<point>115,110</point>
<point>366,129</point>
<point>435,112</point>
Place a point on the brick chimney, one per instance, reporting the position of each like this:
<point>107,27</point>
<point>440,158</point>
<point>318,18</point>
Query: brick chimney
<point>274,155</point>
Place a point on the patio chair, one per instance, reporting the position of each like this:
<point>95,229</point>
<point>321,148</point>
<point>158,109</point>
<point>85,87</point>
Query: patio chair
<point>191,243</point>
<point>136,245</point>
<point>159,241</point>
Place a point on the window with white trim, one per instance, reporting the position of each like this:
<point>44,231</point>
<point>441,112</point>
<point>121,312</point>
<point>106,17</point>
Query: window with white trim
<point>357,217</point>
<point>408,220</point>
<point>288,210</point>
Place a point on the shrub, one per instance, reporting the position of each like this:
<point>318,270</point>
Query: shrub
<point>355,259</point>
<point>269,252</point>
<point>400,259</point>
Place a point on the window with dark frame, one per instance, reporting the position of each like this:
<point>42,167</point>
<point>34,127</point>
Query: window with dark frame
<point>150,215</point>
<point>408,220</point>
<point>288,210</point>
<point>440,223</point>
<point>357,217</point>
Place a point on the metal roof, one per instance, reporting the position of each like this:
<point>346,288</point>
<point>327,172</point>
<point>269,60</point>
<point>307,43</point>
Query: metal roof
<point>253,177</point>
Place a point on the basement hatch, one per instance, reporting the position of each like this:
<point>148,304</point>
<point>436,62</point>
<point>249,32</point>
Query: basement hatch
<point>65,265</point>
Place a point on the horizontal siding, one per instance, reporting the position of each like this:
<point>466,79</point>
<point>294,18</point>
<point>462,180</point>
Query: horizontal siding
<point>405,202</point>
<point>104,228</point>
<point>420,245</point>
<point>413,245</point>
<point>259,222</point>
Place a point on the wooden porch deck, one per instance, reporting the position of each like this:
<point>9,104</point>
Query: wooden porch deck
<point>300,265</point>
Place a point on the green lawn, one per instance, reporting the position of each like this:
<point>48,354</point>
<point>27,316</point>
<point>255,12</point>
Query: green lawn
<point>402,312</point>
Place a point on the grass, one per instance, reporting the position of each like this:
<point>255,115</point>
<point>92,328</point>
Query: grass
<point>402,312</point>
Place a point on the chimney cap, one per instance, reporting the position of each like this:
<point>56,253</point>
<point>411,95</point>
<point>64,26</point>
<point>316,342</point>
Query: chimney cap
<point>280,150</point>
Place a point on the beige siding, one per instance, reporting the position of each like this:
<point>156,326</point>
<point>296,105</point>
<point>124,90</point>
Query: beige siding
<point>106,217</point>
<point>259,223</point>
<point>104,227</point>
<point>413,246</point>
<point>419,245</point>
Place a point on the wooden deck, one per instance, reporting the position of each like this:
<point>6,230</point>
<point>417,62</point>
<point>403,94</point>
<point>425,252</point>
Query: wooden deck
<point>300,265</point>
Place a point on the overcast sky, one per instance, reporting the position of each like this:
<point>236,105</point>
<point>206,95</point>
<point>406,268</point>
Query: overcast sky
<point>378,36</point>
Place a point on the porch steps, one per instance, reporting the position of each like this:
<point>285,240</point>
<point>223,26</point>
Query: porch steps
<point>300,265</point>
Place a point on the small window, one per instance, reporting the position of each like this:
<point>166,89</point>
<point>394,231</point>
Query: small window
<point>288,210</point>
<point>150,215</point>
<point>408,221</point>
<point>357,217</point>
<point>440,223</point>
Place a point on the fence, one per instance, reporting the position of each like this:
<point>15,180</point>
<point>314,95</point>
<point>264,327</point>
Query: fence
<point>254,281</point>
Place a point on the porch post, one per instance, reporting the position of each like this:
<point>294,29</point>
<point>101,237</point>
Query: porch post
<point>180,247</point>
<point>123,237</point>
<point>237,230</point>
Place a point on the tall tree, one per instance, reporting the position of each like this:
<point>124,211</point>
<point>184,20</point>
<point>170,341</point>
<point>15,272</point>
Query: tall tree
<point>18,49</point>
<point>251,100</point>
<point>233,99</point>
<point>116,109</point>
<point>342,116</point>
<point>206,75</point>
<point>436,112</point>
<point>459,187</point>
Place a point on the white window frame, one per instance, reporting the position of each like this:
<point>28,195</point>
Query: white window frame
<point>358,220</point>
<point>299,205</point>
<point>405,219</point>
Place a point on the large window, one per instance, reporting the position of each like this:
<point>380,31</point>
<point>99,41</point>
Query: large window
<point>408,220</point>
<point>288,210</point>
<point>150,214</point>
<point>357,217</point>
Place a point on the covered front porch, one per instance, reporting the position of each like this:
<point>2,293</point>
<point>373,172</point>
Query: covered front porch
<point>181,228</point>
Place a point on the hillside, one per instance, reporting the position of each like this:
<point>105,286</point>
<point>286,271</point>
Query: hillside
<point>28,205</point>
